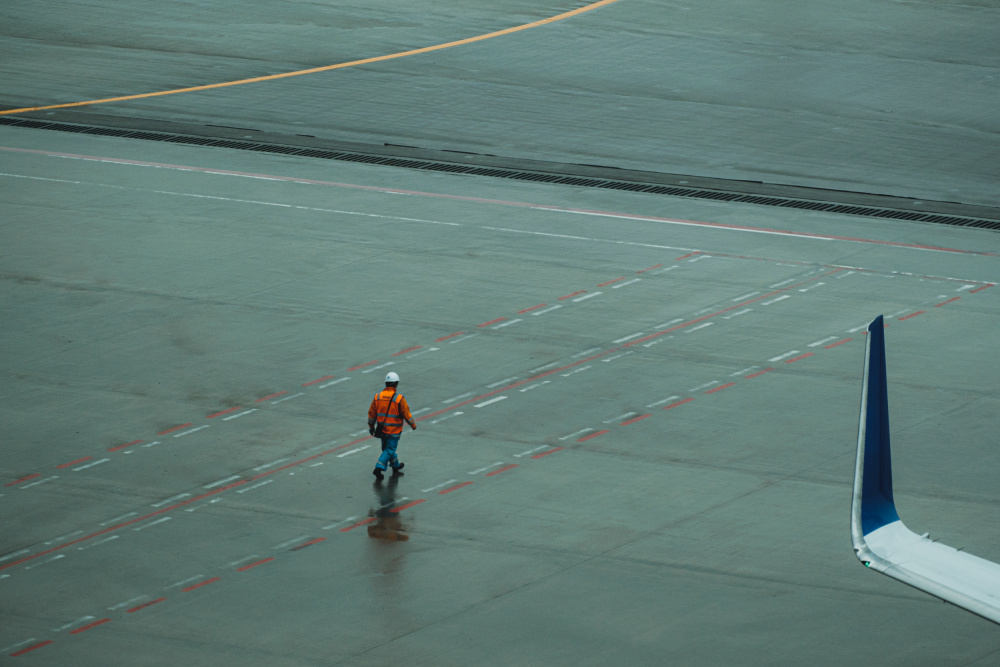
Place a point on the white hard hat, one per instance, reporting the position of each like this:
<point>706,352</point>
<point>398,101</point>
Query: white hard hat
<point>391,377</point>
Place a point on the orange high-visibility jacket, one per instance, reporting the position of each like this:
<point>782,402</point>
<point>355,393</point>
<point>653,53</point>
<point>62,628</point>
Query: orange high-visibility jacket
<point>390,408</point>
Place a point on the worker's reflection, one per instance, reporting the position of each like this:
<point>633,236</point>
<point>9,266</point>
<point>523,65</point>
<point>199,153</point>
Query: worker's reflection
<point>388,525</point>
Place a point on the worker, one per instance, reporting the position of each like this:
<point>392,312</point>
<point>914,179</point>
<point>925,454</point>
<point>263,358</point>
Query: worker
<point>386,415</point>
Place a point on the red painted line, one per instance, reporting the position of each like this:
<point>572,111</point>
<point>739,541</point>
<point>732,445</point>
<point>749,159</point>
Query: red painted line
<point>528,310</point>
<point>453,488</point>
<point>318,380</point>
<point>127,444</point>
<point>919,312</point>
<point>359,523</point>
<point>486,324</point>
<point>980,289</point>
<point>73,463</point>
<point>551,451</point>
<point>500,470</point>
<point>839,342</point>
<point>563,298</point>
<point>616,280</point>
<point>798,358</point>
<point>265,398</point>
<point>308,544</point>
<point>408,505</point>
<point>176,428</point>
<point>89,626</point>
<point>444,338</point>
<point>409,349</point>
<point>712,391</point>
<point>592,435</point>
<point>143,606</point>
<point>649,269</point>
<point>954,298</point>
<point>224,412</point>
<point>633,420</point>
<point>204,583</point>
<point>768,370</point>
<point>674,405</point>
<point>24,479</point>
<point>354,368</point>
<point>690,254</point>
<point>31,648</point>
<point>254,564</point>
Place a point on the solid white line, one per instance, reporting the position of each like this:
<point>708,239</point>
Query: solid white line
<point>325,444</point>
<point>619,417</point>
<point>185,581</point>
<point>547,310</point>
<point>586,352</point>
<point>221,482</point>
<point>622,340</point>
<point>532,386</point>
<point>92,464</point>
<point>128,602</point>
<point>243,560</point>
<point>964,287</point>
<point>627,282</point>
<point>268,465</point>
<point>780,298</point>
<point>494,465</point>
<point>26,641</point>
<point>288,398</point>
<point>420,411</point>
<point>424,351</point>
<point>811,287</point>
<point>491,401</point>
<point>340,523</point>
<point>783,356</point>
<point>575,370</point>
<point>459,340</point>
<point>506,324</point>
<point>357,433</point>
<point>194,430</point>
<point>54,558</point>
<point>745,296</point>
<point>783,282</point>
<point>239,414</point>
<point>41,481</point>
<point>441,419</point>
<point>333,382</point>
<point>666,400</point>
<point>457,398</point>
<point>118,518</point>
<point>375,368</point>
<point>745,370</point>
<point>667,324</point>
<point>497,384</point>
<point>353,451</point>
<point>825,340</point>
<point>64,537</point>
<point>700,326</point>
<point>151,444</point>
<point>94,544</point>
<point>617,356</point>
<point>703,386</point>
<point>290,542</point>
<point>255,486</point>
<point>587,296</point>
<point>542,368</point>
<point>567,437</point>
<point>314,465</point>
<point>147,525</point>
<point>170,499</point>
<point>656,341</point>
<point>530,451</point>
<point>742,312</point>
<point>857,329</point>
<point>438,486</point>
<point>14,555</point>
<point>79,621</point>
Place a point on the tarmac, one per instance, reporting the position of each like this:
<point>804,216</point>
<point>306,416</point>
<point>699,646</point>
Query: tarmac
<point>637,413</point>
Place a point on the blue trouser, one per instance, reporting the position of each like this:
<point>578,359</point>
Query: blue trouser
<point>388,456</point>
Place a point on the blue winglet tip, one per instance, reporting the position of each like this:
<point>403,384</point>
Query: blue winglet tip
<point>877,505</point>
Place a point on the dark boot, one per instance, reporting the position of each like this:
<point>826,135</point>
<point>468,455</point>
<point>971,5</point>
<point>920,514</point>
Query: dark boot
<point>398,470</point>
<point>378,474</point>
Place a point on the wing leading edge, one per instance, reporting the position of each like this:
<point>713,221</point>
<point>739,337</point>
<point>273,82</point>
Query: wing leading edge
<point>881,541</point>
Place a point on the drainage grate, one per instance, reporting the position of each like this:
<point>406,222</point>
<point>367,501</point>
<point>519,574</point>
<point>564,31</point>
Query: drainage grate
<point>515,174</point>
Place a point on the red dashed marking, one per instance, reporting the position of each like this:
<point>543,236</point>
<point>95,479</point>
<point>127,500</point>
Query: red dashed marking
<point>610,282</point>
<point>649,269</point>
<point>486,324</point>
<point>354,368</point>
<point>267,398</point>
<point>690,254</point>
<point>73,463</point>
<point>592,435</point>
<point>177,428</point>
<point>224,412</point>
<point>766,370</point>
<point>24,479</point>
<point>954,298</point>
<point>444,338</point>
<point>674,405</point>
<point>31,648</point>
<point>409,349</point>
<point>569,296</point>
<point>454,488</point>
<point>89,626</point>
<point>839,342</point>
<point>318,380</point>
<point>799,358</point>
<point>980,289</point>
<point>127,444</point>
<point>633,420</point>
<point>919,312</point>
<point>359,523</point>
<point>308,544</point>
<point>143,606</point>
<point>254,564</point>
<point>712,391</point>
<point>528,310</point>
<point>204,583</point>
<point>408,505</point>
<point>551,451</point>
<point>500,470</point>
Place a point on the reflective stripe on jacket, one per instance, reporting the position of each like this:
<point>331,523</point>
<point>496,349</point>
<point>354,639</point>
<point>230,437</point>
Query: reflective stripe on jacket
<point>389,408</point>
